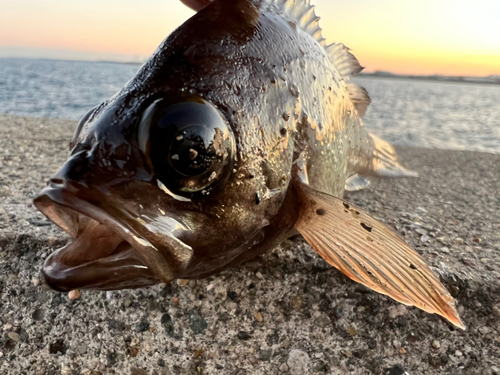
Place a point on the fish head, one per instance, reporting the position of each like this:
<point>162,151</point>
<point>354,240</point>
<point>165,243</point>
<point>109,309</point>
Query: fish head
<point>170,178</point>
<point>153,189</point>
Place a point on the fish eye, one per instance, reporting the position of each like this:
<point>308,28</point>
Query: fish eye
<point>188,144</point>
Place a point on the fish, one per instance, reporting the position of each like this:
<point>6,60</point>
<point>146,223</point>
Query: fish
<point>243,129</point>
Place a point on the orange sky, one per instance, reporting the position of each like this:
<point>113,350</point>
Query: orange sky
<point>449,37</point>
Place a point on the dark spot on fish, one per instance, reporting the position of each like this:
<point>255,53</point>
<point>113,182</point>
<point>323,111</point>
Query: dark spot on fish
<point>293,25</point>
<point>257,199</point>
<point>366,227</point>
<point>413,267</point>
<point>294,91</point>
<point>286,116</point>
<point>283,131</point>
<point>314,77</point>
<point>369,239</point>
<point>320,212</point>
<point>346,205</point>
<point>251,176</point>
<point>56,181</point>
<point>193,154</point>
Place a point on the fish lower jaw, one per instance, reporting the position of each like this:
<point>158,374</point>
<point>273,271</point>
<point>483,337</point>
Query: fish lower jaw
<point>122,269</point>
<point>97,257</point>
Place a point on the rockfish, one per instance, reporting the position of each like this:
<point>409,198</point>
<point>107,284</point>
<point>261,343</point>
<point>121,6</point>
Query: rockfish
<point>241,130</point>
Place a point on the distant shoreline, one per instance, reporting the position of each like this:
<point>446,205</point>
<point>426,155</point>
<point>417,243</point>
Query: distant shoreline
<point>490,80</point>
<point>436,78</point>
<point>495,80</point>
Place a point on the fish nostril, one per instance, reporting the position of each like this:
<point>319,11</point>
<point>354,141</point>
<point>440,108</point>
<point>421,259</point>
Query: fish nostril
<point>57,181</point>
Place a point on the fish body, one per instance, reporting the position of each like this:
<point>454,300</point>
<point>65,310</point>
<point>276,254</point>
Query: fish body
<point>222,146</point>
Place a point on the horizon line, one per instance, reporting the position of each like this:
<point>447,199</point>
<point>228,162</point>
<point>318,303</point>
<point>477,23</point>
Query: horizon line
<point>377,73</point>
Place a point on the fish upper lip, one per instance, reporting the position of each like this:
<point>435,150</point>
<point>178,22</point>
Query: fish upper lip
<point>142,263</point>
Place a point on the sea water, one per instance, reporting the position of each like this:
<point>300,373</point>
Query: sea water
<point>428,114</point>
<point>457,116</point>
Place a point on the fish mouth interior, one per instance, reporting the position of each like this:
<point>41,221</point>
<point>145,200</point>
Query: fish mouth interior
<point>98,257</point>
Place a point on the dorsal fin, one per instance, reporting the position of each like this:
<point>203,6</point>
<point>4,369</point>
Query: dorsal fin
<point>359,97</point>
<point>347,64</point>
<point>303,14</point>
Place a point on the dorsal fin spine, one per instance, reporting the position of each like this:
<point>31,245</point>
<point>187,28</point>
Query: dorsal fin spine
<point>329,48</point>
<point>304,14</point>
<point>309,13</point>
<point>314,26</point>
<point>301,12</point>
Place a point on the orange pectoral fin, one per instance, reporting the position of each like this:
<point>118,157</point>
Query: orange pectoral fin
<point>370,253</point>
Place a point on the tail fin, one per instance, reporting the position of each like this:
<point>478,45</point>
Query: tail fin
<point>385,160</point>
<point>375,157</point>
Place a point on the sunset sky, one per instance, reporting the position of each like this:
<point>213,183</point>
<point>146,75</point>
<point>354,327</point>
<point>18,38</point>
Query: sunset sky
<point>449,37</point>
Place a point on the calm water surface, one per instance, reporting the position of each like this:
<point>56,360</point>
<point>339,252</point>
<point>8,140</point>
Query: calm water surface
<point>404,112</point>
<point>431,114</point>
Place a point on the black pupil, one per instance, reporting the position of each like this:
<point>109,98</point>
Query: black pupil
<point>189,144</point>
<point>192,151</point>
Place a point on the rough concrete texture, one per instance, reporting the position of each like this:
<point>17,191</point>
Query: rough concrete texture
<point>285,313</point>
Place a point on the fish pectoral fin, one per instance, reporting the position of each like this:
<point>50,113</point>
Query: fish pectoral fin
<point>356,183</point>
<point>370,253</point>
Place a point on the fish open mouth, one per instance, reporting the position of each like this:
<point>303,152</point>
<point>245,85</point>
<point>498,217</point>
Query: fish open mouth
<point>100,256</point>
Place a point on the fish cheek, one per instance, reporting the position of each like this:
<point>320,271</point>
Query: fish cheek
<point>234,215</point>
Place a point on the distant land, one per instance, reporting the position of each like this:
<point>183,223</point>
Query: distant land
<point>490,80</point>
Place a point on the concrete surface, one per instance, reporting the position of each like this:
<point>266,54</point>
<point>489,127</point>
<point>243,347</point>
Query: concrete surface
<point>285,313</point>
